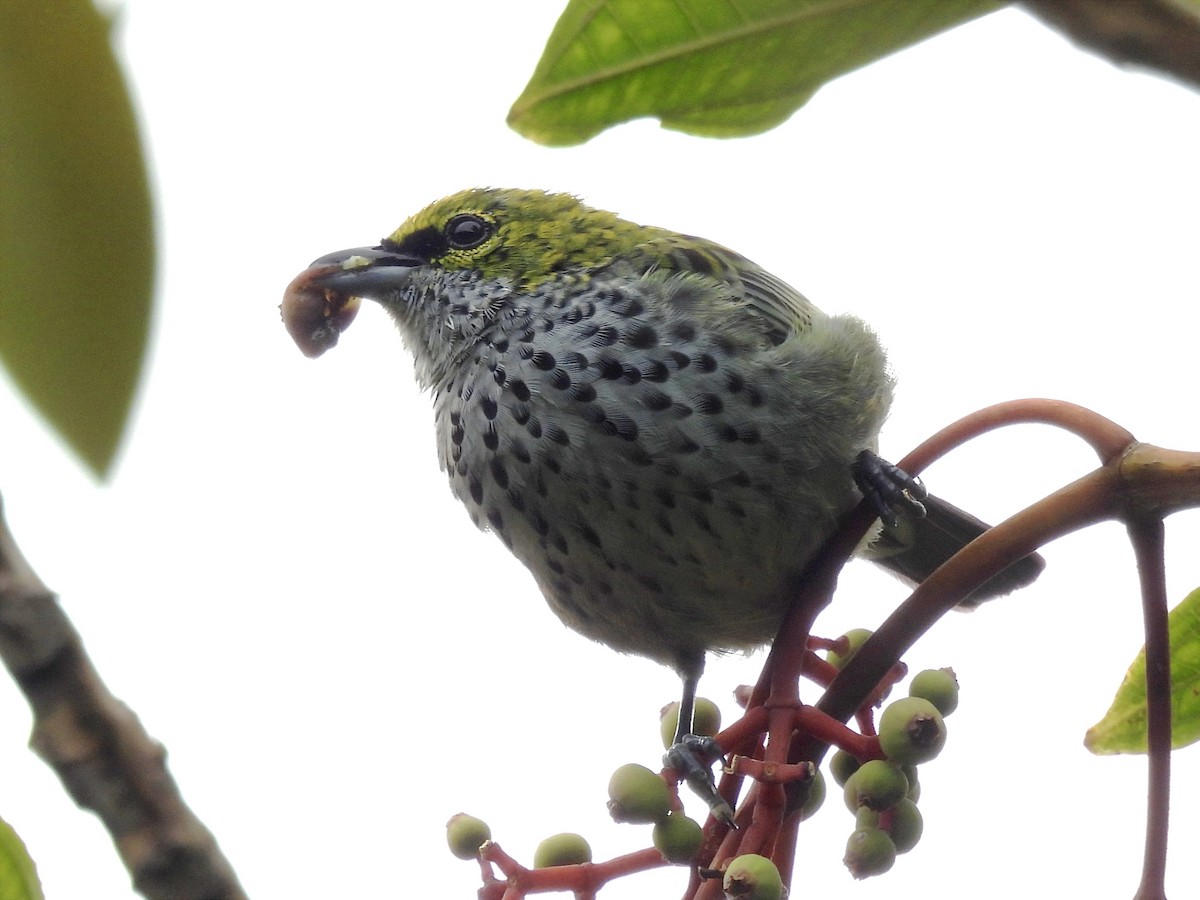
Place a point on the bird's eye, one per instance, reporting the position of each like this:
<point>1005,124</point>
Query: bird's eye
<point>466,232</point>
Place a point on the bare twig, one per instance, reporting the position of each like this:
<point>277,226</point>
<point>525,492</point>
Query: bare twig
<point>97,746</point>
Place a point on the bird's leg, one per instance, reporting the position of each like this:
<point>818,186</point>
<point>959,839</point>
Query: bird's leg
<point>692,755</point>
<point>888,488</point>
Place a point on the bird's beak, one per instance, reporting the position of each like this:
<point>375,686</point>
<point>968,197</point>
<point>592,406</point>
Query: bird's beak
<point>322,301</point>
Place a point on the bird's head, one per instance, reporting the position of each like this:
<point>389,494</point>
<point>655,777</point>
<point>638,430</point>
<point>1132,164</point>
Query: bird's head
<point>478,247</point>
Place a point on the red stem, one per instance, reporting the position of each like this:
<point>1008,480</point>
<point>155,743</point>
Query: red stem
<point>1146,536</point>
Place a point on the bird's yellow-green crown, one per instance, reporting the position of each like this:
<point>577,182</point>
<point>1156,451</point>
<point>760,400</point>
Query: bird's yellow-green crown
<point>536,236</point>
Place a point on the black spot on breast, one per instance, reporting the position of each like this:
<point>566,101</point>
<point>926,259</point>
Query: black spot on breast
<point>588,534</point>
<point>664,524</point>
<point>491,438</point>
<point>665,497</point>
<point>704,495</point>
<point>560,379</point>
<point>624,426</point>
<point>734,382</point>
<point>475,486</point>
<point>500,346</point>
<point>500,375</point>
<point>489,407</point>
<point>496,520</point>
<point>582,393</point>
<point>457,434</point>
<point>650,584</point>
<point>552,465</point>
<point>527,336</point>
<point>520,452</point>
<point>748,434</point>
<point>519,389</point>
<point>610,367</point>
<point>709,404</point>
<point>455,417</point>
<point>701,519</point>
<point>547,324</point>
<point>683,331</point>
<point>641,336</point>
<point>573,361</point>
<point>560,544</point>
<point>499,473</point>
<point>516,501</point>
<point>638,455</point>
<point>627,306</point>
<point>557,568</point>
<point>656,400</point>
<point>681,410</point>
<point>686,445</point>
<point>520,414</point>
<point>656,371</point>
<point>753,396</point>
<point>605,336</point>
<point>544,360</point>
<point>706,363</point>
<point>679,360</point>
<point>630,374</point>
<point>534,427</point>
<point>540,525</point>
<point>593,413</point>
<point>740,478</point>
<point>555,434</point>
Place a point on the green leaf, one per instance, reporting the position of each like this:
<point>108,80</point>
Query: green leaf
<point>18,875</point>
<point>720,68</point>
<point>76,239</point>
<point>1123,728</point>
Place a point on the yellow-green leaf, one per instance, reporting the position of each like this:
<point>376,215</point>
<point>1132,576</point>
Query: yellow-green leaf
<point>1123,728</point>
<point>719,68</point>
<point>76,239</point>
<point>18,875</point>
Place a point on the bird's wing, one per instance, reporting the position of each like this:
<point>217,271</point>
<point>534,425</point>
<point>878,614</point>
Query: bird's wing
<point>781,308</point>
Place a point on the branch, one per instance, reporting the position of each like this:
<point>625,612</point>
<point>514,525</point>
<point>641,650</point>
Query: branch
<point>1153,34</point>
<point>106,760</point>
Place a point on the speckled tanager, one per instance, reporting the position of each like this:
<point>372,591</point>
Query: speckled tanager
<point>660,430</point>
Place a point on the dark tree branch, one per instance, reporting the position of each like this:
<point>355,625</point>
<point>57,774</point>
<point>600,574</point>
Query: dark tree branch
<point>1154,34</point>
<point>106,760</point>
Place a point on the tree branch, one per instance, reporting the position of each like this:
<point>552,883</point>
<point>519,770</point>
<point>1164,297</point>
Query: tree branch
<point>1153,34</point>
<point>105,758</point>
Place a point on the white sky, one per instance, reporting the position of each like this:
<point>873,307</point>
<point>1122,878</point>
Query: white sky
<point>279,583</point>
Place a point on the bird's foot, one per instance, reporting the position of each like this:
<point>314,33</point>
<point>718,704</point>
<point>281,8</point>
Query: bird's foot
<point>888,488</point>
<point>692,756</point>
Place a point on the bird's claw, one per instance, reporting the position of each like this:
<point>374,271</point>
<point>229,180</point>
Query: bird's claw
<point>889,489</point>
<point>692,757</point>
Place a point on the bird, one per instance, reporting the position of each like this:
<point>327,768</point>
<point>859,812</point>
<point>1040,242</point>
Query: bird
<point>660,430</point>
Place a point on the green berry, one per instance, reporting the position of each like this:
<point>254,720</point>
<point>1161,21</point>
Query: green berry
<point>907,825</point>
<point>752,877</point>
<point>911,731</point>
<point>856,638</point>
<point>938,686</point>
<point>877,785</point>
<point>814,795</point>
<point>566,849</point>
<point>677,838</point>
<point>706,720</point>
<point>636,794</point>
<point>842,765</point>
<point>866,818</point>
<point>869,851</point>
<point>914,785</point>
<point>466,834</point>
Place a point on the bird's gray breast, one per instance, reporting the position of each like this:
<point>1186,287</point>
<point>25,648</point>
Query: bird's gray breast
<point>663,480</point>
